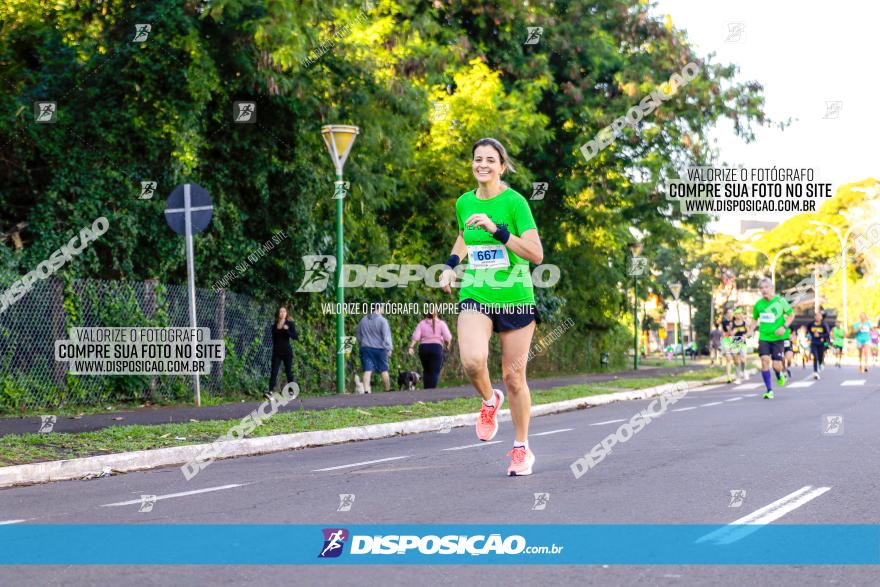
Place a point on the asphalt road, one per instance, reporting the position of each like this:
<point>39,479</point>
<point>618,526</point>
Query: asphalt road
<point>681,469</point>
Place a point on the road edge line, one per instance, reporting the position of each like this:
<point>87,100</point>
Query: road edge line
<point>126,462</point>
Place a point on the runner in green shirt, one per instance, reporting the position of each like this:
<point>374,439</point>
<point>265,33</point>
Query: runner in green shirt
<point>837,341</point>
<point>773,315</point>
<point>497,234</point>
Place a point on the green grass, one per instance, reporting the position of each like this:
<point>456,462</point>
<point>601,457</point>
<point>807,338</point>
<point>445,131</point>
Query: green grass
<point>643,382</point>
<point>229,398</point>
<point>32,448</point>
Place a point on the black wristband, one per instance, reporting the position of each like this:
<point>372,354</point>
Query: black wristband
<point>502,235</point>
<point>453,261</point>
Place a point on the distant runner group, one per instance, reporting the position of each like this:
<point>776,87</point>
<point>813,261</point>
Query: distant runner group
<point>779,344</point>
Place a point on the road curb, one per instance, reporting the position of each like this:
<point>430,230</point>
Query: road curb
<point>178,455</point>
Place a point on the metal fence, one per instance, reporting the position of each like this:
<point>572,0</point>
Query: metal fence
<point>30,377</point>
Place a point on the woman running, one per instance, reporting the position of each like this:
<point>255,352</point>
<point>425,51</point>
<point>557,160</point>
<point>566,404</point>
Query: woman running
<point>498,235</point>
<point>862,332</point>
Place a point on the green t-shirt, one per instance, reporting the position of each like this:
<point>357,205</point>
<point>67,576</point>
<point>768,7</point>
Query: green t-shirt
<point>495,274</point>
<point>837,334</point>
<point>770,315</point>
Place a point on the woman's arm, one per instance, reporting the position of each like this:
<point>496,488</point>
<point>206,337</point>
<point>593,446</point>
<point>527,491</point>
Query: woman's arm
<point>528,245</point>
<point>416,336</point>
<point>447,335</point>
<point>459,249</point>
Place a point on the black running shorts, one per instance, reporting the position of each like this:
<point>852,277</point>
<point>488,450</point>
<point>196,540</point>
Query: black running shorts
<point>772,348</point>
<point>504,317</point>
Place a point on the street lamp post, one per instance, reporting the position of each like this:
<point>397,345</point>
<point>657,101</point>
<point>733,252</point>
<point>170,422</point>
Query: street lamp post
<point>339,139</point>
<point>635,248</point>
<point>843,238</point>
<point>775,259</point>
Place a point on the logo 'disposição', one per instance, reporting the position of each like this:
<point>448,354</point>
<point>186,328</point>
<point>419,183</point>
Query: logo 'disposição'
<point>319,268</point>
<point>334,541</point>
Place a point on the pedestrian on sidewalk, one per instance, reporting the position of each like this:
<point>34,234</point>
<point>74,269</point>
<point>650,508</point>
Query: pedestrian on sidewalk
<point>373,335</point>
<point>434,340</point>
<point>282,332</point>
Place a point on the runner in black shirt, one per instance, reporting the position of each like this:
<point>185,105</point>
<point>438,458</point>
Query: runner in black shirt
<point>283,331</point>
<point>820,336</point>
<point>739,329</point>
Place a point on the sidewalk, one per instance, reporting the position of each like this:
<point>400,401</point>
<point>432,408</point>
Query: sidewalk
<point>236,411</point>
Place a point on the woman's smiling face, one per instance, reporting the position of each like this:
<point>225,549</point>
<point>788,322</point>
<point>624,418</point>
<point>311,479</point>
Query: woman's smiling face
<point>487,166</point>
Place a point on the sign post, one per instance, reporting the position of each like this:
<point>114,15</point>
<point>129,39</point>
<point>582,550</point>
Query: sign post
<point>188,211</point>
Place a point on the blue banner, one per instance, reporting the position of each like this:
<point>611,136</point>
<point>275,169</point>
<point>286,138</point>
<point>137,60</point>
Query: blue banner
<point>612,544</point>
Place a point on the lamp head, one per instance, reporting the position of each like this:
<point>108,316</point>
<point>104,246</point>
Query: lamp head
<point>339,139</point>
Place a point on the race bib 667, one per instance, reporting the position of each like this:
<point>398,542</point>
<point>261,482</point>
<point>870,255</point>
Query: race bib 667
<point>488,256</point>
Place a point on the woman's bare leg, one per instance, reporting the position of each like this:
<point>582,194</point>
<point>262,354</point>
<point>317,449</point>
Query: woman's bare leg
<point>514,352</point>
<point>474,332</point>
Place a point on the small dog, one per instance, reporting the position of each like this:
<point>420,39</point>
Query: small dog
<point>358,385</point>
<point>408,380</point>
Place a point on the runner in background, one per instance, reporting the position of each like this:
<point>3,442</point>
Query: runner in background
<point>804,343</point>
<point>739,330</point>
<point>715,345</point>
<point>820,335</point>
<point>727,340</point>
<point>862,332</point>
<point>774,315</point>
<point>498,235</point>
<point>791,354</point>
<point>875,340</point>
<point>838,340</point>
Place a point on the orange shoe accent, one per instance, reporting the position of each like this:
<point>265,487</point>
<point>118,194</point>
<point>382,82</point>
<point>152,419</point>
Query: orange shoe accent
<point>521,461</point>
<point>487,425</point>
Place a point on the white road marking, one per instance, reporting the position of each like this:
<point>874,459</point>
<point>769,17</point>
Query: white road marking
<point>608,422</point>
<point>181,494</point>
<point>750,395</point>
<point>552,432</point>
<point>734,399</point>
<point>684,409</point>
<point>710,387</point>
<point>364,463</point>
<point>477,444</point>
<point>749,386</point>
<point>7,522</point>
<point>852,382</point>
<point>798,384</point>
<point>739,529</point>
<point>711,404</point>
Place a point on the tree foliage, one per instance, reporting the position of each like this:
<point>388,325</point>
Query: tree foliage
<point>162,110</point>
